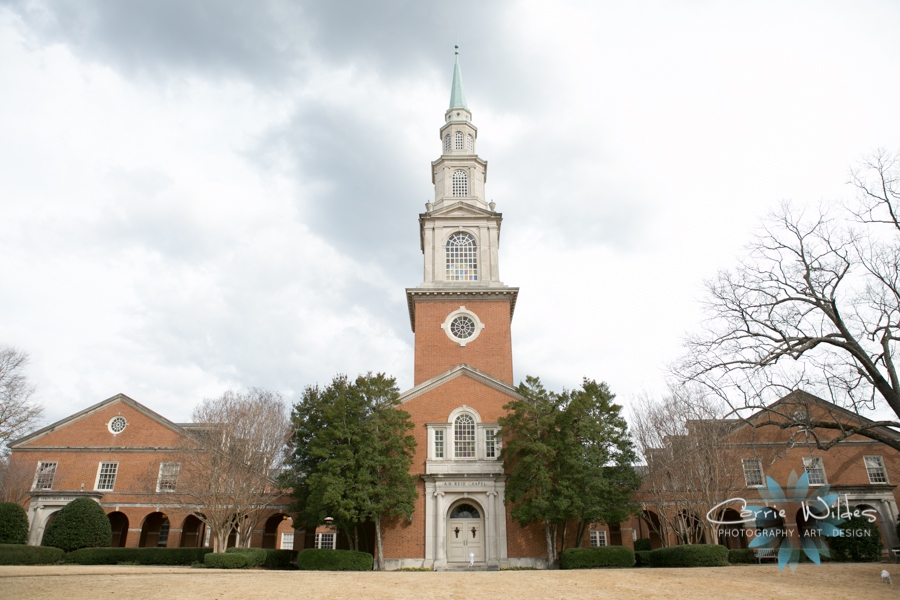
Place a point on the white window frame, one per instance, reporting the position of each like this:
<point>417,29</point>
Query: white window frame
<point>173,477</point>
<point>470,143</point>
<point>491,443</point>
<point>321,541</point>
<point>817,463</point>
<point>598,539</point>
<point>287,541</point>
<point>459,183</point>
<point>43,471</point>
<point>447,143</point>
<point>752,465</point>
<point>459,140</point>
<point>879,466</point>
<point>440,444</point>
<point>115,475</point>
<point>473,443</point>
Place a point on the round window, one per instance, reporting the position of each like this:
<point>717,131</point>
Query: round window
<point>462,327</point>
<point>117,424</point>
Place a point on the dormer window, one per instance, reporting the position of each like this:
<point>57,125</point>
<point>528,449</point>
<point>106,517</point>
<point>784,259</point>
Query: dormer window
<point>459,140</point>
<point>460,183</point>
<point>447,143</point>
<point>470,143</point>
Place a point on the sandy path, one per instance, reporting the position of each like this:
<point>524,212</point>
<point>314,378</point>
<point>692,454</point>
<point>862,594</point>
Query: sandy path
<point>748,582</point>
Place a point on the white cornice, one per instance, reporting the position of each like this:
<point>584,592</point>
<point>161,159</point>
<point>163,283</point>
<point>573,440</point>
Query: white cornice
<point>459,292</point>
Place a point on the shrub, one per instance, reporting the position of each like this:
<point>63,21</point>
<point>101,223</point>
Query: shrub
<point>642,545</point>
<point>593,558</point>
<point>225,560</point>
<point>18,554</point>
<point>80,524</point>
<point>141,556</point>
<point>13,524</point>
<point>642,558</point>
<point>334,560</point>
<point>256,557</point>
<point>745,556</point>
<point>694,555</point>
<point>280,559</point>
<point>860,542</point>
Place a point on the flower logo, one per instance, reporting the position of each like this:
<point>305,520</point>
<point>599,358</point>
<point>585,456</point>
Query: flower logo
<point>818,520</point>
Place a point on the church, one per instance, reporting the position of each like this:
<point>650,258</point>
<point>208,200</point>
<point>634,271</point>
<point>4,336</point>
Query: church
<point>461,315</point>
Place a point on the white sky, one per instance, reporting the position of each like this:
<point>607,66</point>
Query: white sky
<point>197,196</point>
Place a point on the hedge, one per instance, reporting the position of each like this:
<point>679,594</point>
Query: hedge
<point>18,554</point>
<point>642,558</point>
<point>266,558</point>
<point>642,545</point>
<point>745,556</point>
<point>79,524</point>
<point>225,560</point>
<point>693,555</point>
<point>334,560</point>
<point>860,541</point>
<point>141,556</point>
<point>13,524</point>
<point>593,558</point>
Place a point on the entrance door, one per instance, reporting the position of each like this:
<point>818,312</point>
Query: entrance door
<point>465,534</point>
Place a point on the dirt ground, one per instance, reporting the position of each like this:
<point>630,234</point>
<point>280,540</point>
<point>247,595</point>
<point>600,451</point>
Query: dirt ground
<point>748,582</point>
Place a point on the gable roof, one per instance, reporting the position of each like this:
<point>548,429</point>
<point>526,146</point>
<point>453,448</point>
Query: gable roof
<point>800,397</point>
<point>118,398</point>
<point>460,371</point>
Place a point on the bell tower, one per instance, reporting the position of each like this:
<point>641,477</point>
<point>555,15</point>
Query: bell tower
<point>461,312</point>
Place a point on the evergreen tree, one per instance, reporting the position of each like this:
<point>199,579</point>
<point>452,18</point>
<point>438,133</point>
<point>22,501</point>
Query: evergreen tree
<point>569,458</point>
<point>350,456</point>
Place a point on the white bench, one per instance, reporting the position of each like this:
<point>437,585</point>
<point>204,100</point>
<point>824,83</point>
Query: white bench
<point>764,553</point>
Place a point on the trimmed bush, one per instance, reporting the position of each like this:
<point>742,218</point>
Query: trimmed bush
<point>80,524</point>
<point>594,558</point>
<point>18,554</point>
<point>693,555</point>
<point>642,558</point>
<point>860,542</point>
<point>225,560</point>
<point>141,556</point>
<point>642,545</point>
<point>13,524</point>
<point>745,556</point>
<point>280,559</point>
<point>334,560</point>
<point>256,557</point>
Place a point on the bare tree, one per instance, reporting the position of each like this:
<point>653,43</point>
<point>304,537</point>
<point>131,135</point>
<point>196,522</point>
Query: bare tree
<point>228,467</point>
<point>18,414</point>
<point>689,467</point>
<point>15,479</point>
<point>815,305</point>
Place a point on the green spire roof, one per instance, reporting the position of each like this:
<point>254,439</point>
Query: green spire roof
<point>457,96</point>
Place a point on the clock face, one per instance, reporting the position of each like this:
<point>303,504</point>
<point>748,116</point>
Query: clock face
<point>462,327</point>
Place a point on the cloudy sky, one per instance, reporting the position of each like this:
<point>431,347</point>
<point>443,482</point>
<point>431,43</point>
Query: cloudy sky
<point>196,196</point>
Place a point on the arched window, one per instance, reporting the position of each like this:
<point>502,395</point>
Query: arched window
<point>460,183</point>
<point>464,437</point>
<point>470,143</point>
<point>462,262</point>
<point>459,140</point>
<point>447,143</point>
<point>464,511</point>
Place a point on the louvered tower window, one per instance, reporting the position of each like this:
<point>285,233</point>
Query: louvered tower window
<point>462,262</point>
<point>447,143</point>
<point>460,183</point>
<point>470,143</point>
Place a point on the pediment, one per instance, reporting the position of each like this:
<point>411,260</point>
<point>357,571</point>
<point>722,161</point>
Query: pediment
<point>460,210</point>
<point>460,371</point>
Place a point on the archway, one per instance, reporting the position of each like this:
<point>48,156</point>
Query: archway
<point>465,533</point>
<point>653,528</point>
<point>690,528</point>
<point>270,530</point>
<point>615,534</point>
<point>119,524</point>
<point>155,531</point>
<point>191,532</point>
<point>731,531</point>
<point>47,524</point>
